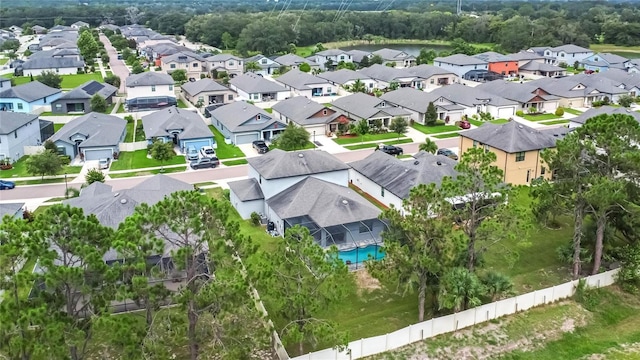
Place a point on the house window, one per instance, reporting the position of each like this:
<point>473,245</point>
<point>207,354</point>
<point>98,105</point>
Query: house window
<point>543,170</point>
<point>258,117</point>
<point>231,63</point>
<point>263,61</point>
<point>520,156</point>
<point>475,143</point>
<point>57,70</point>
<point>195,64</point>
<point>230,97</point>
<point>486,148</point>
<point>432,81</point>
<point>15,134</point>
<point>381,191</point>
<point>200,98</point>
<point>173,66</point>
<point>341,57</point>
<point>153,88</point>
<point>324,112</point>
<point>260,179</point>
<point>19,106</point>
<point>170,87</point>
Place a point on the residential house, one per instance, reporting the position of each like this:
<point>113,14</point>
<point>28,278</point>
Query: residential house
<point>17,30</point>
<point>416,103</point>
<point>475,101</point>
<point>593,112</point>
<point>629,81</point>
<point>78,100</point>
<point>207,92</point>
<point>386,77</point>
<point>243,123</point>
<point>182,127</point>
<point>499,63</point>
<point>433,76</point>
<point>539,69</point>
<point>155,52</point>
<point>39,30</point>
<point>308,188</point>
<point>60,28</point>
<point>79,24</point>
<point>28,97</point>
<point>601,62</point>
<point>398,58</point>
<point>517,148</point>
<point>15,210</point>
<point>255,88</point>
<point>344,78</point>
<point>634,66</point>
<point>568,54</point>
<point>527,95</point>
<point>193,64</point>
<point>581,90</point>
<point>361,106</point>
<point>524,57</point>
<point>225,63</point>
<point>267,66</point>
<point>461,64</point>
<point>304,84</point>
<point>62,61</point>
<point>358,55</point>
<point>293,61</point>
<point>5,84</point>
<point>329,59</point>
<point>111,27</point>
<point>93,136</point>
<point>66,38</point>
<point>149,90</point>
<point>314,117</point>
<point>389,180</point>
<point>18,130</point>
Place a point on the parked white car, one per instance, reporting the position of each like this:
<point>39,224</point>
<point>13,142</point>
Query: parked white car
<point>103,164</point>
<point>207,151</point>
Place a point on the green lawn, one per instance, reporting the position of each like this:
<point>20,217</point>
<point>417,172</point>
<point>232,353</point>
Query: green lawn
<point>541,117</point>
<point>68,81</point>
<point>149,172</point>
<point>110,108</point>
<point>235,162</point>
<point>138,159</point>
<point>346,140</point>
<point>374,145</point>
<point>446,136</point>
<point>269,110</point>
<point>224,150</point>
<point>41,182</point>
<point>495,121</point>
<point>20,170</point>
<point>572,111</point>
<point>120,109</point>
<point>555,122</point>
<point>3,61</point>
<point>49,113</point>
<point>181,104</point>
<point>128,137</point>
<point>438,128</point>
<point>57,127</point>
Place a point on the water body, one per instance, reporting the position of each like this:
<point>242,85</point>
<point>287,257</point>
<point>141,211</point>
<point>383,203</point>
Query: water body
<point>411,49</point>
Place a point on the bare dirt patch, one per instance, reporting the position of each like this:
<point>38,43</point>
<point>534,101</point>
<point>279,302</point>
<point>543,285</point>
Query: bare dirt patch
<point>365,281</point>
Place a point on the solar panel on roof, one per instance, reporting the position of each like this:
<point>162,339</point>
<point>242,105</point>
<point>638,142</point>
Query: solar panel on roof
<point>93,88</point>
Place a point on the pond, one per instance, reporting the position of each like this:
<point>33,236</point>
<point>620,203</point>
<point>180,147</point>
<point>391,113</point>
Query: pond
<point>411,49</point>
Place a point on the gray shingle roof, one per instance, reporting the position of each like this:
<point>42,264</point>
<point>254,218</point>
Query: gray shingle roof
<point>570,49</point>
<point>149,78</point>
<point>358,55</point>
<point>9,209</point>
<point>293,60</point>
<point>365,106</point>
<point>246,190</point>
<point>90,88</point>
<point>160,122</point>
<point>582,118</point>
<point>100,130</point>
<point>278,164</point>
<point>331,52</point>
<point>299,80</point>
<point>469,96</point>
<point>327,204</point>
<point>299,109</point>
<point>410,98</point>
<point>492,56</point>
<point>202,85</point>
<point>400,176</point>
<point>29,92</point>
<point>10,121</point>
<point>386,73</point>
<point>525,55</point>
<point>536,66</point>
<point>459,59</point>
<point>622,77</point>
<point>252,84</point>
<point>392,54</point>
<point>52,63</point>
<point>426,71</point>
<point>183,57</point>
<point>568,86</point>
<point>237,115</point>
<point>343,75</point>
<point>522,93</point>
<point>511,137</point>
<point>223,57</point>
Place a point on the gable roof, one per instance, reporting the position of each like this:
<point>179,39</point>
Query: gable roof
<point>327,204</point>
<point>234,117</point>
<point>459,59</point>
<point>88,89</point>
<point>426,71</point>
<point>592,112</point>
<point>400,176</point>
<point>358,55</point>
<point>149,78</point>
<point>10,209</point>
<point>537,66</point>
<point>410,98</point>
<point>247,189</point>
<point>183,57</point>
<point>202,85</point>
<point>10,121</point>
<point>570,49</point>
<point>277,164</point>
<point>222,57</point>
<point>511,137</point>
<point>172,118</point>
<point>392,54</point>
<point>293,60</point>
<point>365,106</point>
<point>331,52</point>
<point>29,92</point>
<point>622,77</point>
<point>299,109</point>
<point>386,73</point>
<point>612,58</point>
<point>591,84</point>
<point>299,80</point>
<point>100,130</point>
<point>252,83</point>
<point>343,75</point>
<point>525,55</point>
<point>492,56</point>
<point>469,96</point>
<point>522,93</point>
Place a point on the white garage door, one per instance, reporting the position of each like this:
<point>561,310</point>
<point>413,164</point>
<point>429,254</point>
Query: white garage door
<point>505,113</point>
<point>98,154</point>
<point>319,129</point>
<point>246,138</point>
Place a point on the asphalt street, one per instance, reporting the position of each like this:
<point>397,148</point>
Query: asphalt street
<point>118,67</point>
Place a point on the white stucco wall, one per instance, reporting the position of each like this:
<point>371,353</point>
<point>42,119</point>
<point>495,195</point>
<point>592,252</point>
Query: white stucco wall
<point>275,186</point>
<point>145,91</point>
<point>59,71</point>
<point>374,189</point>
<point>12,147</point>
<point>245,208</point>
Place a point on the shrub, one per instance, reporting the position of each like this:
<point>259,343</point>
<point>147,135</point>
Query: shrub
<point>66,159</point>
<point>158,68</point>
<point>559,111</point>
<point>597,103</point>
<point>255,219</point>
<point>80,71</point>
<point>520,113</point>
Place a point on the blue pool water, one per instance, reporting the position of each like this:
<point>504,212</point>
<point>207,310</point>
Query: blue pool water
<point>359,255</point>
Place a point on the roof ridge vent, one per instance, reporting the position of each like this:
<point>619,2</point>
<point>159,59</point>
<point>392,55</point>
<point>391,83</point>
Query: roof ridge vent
<point>300,155</point>
<point>345,202</point>
<point>417,162</point>
<point>116,194</point>
<point>123,201</point>
<point>439,162</point>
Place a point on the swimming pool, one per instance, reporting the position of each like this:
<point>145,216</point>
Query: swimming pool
<point>359,255</point>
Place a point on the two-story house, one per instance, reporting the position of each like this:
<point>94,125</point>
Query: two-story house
<point>567,54</point>
<point>499,63</point>
<point>461,64</point>
<point>385,76</point>
<point>304,84</point>
<point>312,116</point>
<point>62,61</point>
<point>329,59</point>
<point>225,63</point>
<point>267,66</point>
<point>18,130</point>
<point>28,97</point>
<point>193,64</point>
<point>149,90</point>
<point>398,58</point>
<point>601,62</point>
<point>255,88</point>
<point>243,123</point>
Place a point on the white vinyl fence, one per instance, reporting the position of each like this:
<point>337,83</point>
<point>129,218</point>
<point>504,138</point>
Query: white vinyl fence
<point>133,146</point>
<point>430,328</point>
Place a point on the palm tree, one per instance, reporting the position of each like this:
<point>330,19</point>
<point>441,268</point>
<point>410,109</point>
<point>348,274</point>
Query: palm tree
<point>251,66</point>
<point>358,86</point>
<point>429,146</point>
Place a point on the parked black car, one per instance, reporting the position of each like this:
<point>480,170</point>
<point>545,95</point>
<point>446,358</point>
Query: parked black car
<point>448,153</point>
<point>204,163</point>
<point>260,146</point>
<point>390,149</point>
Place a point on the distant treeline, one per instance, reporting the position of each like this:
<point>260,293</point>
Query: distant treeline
<point>511,26</point>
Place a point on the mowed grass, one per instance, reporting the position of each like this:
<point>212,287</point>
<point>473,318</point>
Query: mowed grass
<point>138,159</point>
<point>20,170</point>
<point>555,122</point>
<point>68,81</point>
<point>375,145</point>
<point>447,136</point>
<point>182,104</point>
<point>541,117</point>
<point>166,170</point>
<point>435,129</point>
<point>235,162</point>
<point>346,140</point>
<point>572,111</point>
<point>57,127</point>
<point>224,150</point>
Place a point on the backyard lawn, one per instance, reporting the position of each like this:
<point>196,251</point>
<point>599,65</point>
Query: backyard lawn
<point>345,140</point>
<point>495,121</point>
<point>181,104</point>
<point>57,127</point>
<point>435,129</point>
<point>224,150</point>
<point>68,81</point>
<point>540,117</point>
<point>555,122</point>
<point>138,159</point>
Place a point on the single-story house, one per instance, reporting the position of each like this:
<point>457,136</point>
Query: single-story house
<point>527,95</point>
<point>207,91</point>
<point>360,106</point>
<point>79,24</point>
<point>305,84</point>
<point>15,210</point>
<point>416,103</point>
<point>78,100</point>
<point>604,61</point>
<point>345,78</point>
<point>18,130</point>
<point>593,112</point>
<point>630,81</point>
<point>62,61</point>
<point>581,90</point>
<point>255,88</point>
<point>398,58</point>
<point>537,68</point>
<point>385,76</point>
<point>461,64</point>
<point>476,101</point>
<point>149,90</point>
<point>28,97</point>
<point>293,61</point>
<point>182,127</point>
<point>389,180</point>
<point>433,76</point>
<point>314,117</point>
<point>93,136</point>
<point>243,123</point>
<point>37,29</point>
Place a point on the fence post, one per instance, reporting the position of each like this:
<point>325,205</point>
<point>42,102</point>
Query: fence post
<point>409,341</point>
<point>386,341</point>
